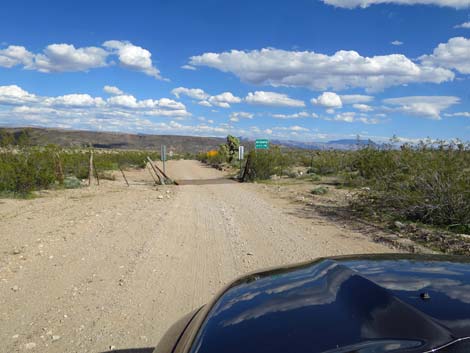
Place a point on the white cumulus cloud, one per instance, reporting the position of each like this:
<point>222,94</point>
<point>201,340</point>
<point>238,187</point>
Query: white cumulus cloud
<point>272,99</point>
<point>455,54</point>
<point>355,98</point>
<point>458,114</point>
<point>223,100</point>
<point>188,67</point>
<point>353,117</point>
<point>295,115</point>
<point>350,4</point>
<point>14,94</point>
<point>396,43</point>
<point>423,106</point>
<point>344,69</point>
<point>328,100</point>
<point>65,57</point>
<point>112,90</point>
<point>130,102</point>
<point>124,101</point>
<point>204,103</point>
<point>83,111</point>
<point>362,107</point>
<point>236,116</point>
<point>463,25</point>
<point>74,100</point>
<point>195,93</point>
<point>15,55</point>
<point>133,57</point>
<point>295,128</point>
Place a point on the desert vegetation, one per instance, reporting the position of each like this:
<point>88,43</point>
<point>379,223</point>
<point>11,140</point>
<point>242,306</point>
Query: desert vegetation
<point>427,183</point>
<point>25,168</point>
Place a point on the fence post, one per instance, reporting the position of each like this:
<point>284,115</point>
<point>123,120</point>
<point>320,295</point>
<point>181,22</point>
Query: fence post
<point>160,179</point>
<point>123,175</point>
<point>151,174</point>
<point>90,168</point>
<point>96,173</point>
<point>59,167</point>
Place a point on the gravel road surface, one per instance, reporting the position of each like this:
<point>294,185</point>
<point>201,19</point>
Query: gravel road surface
<point>111,267</point>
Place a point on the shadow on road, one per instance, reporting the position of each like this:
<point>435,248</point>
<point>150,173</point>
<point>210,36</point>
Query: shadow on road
<point>206,181</point>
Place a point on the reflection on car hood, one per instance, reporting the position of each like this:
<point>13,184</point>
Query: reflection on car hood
<point>365,304</point>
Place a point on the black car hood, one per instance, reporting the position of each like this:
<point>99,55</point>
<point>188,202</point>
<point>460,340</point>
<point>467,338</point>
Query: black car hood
<point>366,304</point>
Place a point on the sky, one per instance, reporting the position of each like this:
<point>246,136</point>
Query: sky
<point>305,70</point>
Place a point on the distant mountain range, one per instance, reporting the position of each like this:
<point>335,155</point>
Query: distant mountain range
<point>181,144</point>
<point>73,138</point>
<point>345,144</point>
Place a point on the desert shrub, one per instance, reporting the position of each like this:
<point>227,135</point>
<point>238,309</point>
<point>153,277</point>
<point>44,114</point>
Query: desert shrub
<point>215,158</point>
<point>311,171</point>
<point>265,163</point>
<point>427,184</point>
<point>26,169</point>
<point>75,162</point>
<point>72,182</point>
<point>291,174</point>
<point>106,175</point>
<point>314,177</point>
<point>330,162</point>
<point>321,190</point>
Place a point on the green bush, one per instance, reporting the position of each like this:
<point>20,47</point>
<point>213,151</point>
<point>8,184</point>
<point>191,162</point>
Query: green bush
<point>26,169</point>
<point>428,184</point>
<point>72,182</point>
<point>265,163</point>
<point>321,190</point>
<point>325,162</point>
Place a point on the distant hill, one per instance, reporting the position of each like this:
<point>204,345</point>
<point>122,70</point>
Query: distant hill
<point>74,138</point>
<point>176,143</point>
<point>352,142</point>
<point>345,144</point>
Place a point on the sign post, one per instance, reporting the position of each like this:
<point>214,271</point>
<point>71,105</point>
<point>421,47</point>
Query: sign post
<point>163,157</point>
<point>241,152</point>
<point>262,144</point>
<point>241,155</point>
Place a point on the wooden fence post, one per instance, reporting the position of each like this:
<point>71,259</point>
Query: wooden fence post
<point>164,175</point>
<point>123,175</point>
<point>160,179</point>
<point>151,174</point>
<point>96,173</point>
<point>59,167</point>
<point>90,168</point>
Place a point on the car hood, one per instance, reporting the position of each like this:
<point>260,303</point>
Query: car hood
<point>348,304</point>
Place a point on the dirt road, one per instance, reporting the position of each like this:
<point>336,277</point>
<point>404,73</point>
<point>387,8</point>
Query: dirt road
<point>111,267</point>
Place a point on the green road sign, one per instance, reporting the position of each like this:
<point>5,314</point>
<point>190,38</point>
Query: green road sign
<point>262,144</point>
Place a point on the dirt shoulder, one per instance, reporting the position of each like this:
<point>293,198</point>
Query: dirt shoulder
<point>112,267</point>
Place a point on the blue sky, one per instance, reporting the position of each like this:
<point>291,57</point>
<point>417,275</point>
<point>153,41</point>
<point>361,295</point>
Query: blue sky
<point>304,70</point>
